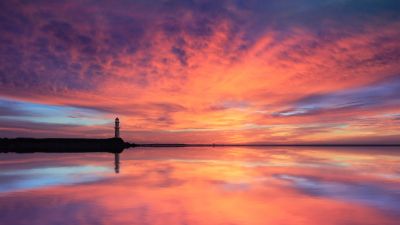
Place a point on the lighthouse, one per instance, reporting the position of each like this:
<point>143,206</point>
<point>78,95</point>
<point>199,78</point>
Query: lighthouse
<point>116,127</point>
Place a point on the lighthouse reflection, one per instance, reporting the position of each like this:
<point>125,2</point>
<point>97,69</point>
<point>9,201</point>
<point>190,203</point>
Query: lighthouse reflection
<point>116,162</point>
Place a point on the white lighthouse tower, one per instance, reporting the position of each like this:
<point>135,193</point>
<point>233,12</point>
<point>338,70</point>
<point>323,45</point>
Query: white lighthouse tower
<point>116,127</point>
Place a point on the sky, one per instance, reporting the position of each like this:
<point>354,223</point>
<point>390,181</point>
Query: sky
<point>256,71</point>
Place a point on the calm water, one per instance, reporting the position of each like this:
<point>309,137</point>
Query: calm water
<point>203,186</point>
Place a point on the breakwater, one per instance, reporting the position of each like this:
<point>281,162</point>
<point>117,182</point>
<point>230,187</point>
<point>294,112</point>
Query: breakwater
<point>27,145</point>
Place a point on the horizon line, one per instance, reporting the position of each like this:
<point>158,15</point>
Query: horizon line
<point>261,145</point>
<point>133,144</point>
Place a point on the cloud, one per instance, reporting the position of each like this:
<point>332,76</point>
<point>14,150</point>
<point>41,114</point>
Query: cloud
<point>384,93</point>
<point>204,65</point>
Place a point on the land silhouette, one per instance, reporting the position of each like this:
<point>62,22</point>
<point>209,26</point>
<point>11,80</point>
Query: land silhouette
<point>63,145</point>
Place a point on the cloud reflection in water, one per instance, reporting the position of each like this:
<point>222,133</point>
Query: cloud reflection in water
<point>25,179</point>
<point>362,193</point>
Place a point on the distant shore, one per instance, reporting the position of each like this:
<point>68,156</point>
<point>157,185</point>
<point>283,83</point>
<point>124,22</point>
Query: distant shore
<point>265,145</point>
<point>117,145</point>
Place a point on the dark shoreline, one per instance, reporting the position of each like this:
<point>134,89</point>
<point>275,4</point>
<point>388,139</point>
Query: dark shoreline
<point>62,145</point>
<point>117,145</point>
<point>266,145</point>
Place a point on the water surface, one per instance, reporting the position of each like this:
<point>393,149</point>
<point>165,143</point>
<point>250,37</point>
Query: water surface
<point>227,185</point>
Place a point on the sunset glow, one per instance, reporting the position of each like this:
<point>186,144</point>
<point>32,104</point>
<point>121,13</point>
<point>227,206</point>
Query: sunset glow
<point>304,71</point>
